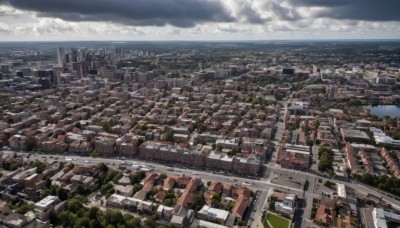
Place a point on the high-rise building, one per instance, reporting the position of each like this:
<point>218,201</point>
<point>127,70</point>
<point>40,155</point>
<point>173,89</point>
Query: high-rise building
<point>81,69</point>
<point>39,73</point>
<point>5,68</point>
<point>61,57</point>
<point>74,55</point>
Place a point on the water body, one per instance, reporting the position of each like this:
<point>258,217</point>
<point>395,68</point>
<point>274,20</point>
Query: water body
<point>385,110</point>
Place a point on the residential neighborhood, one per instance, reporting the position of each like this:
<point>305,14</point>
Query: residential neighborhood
<point>137,136</point>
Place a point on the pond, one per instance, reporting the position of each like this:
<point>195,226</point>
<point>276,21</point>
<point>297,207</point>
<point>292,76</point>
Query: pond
<point>384,110</point>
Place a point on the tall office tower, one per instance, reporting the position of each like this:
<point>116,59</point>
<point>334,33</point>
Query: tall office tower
<point>81,69</point>
<point>61,56</point>
<point>39,73</point>
<point>74,55</point>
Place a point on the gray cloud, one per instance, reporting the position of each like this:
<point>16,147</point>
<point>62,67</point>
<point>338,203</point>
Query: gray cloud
<point>180,13</point>
<point>367,10</point>
<point>188,13</point>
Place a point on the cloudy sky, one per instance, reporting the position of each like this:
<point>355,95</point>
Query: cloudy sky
<point>198,19</point>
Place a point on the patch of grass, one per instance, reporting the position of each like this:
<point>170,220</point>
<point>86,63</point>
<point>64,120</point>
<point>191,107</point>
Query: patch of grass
<point>276,221</point>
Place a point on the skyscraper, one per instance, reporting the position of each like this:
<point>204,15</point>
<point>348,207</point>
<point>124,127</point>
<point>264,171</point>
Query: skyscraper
<point>61,56</point>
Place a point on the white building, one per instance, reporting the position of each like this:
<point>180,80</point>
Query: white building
<point>213,214</point>
<point>61,57</point>
<point>287,206</point>
<point>379,219</point>
<point>45,207</point>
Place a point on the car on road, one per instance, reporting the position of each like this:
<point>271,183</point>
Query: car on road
<point>86,161</point>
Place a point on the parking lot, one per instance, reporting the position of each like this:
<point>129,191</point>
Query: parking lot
<point>291,179</point>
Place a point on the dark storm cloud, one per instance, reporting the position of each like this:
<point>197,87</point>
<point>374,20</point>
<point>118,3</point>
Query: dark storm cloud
<point>181,13</point>
<point>188,13</point>
<point>367,10</point>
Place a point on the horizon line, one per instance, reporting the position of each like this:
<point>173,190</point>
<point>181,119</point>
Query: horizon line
<point>207,40</point>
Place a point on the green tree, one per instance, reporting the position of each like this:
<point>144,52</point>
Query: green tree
<point>169,136</point>
<point>24,208</point>
<point>40,166</point>
<point>131,221</point>
<point>93,212</point>
<point>107,127</point>
<point>231,204</point>
<point>137,177</point>
<point>94,223</point>
<point>202,142</point>
<point>95,154</point>
<point>309,142</point>
<point>137,187</point>
<point>71,166</point>
<point>82,222</point>
<point>48,182</point>
<point>328,183</point>
<point>167,202</point>
<point>103,167</point>
<point>162,176</point>
<point>66,218</point>
<point>30,143</point>
<point>216,198</point>
<point>113,217</point>
<point>198,202</point>
<point>325,159</point>
<point>74,205</point>
<point>45,193</point>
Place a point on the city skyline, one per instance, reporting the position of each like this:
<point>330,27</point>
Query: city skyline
<point>198,20</point>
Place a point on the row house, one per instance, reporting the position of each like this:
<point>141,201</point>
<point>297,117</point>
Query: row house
<point>80,147</point>
<point>105,146</point>
<point>247,166</point>
<point>127,145</point>
<point>242,203</point>
<point>352,159</point>
<point>218,161</point>
<point>164,152</point>
<point>18,142</point>
<point>368,165</point>
<point>54,146</point>
<point>390,162</point>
